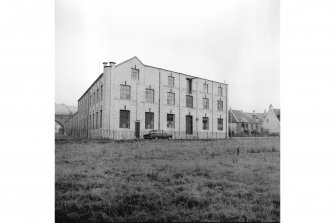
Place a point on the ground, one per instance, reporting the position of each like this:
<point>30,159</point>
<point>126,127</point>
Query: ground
<point>168,180</point>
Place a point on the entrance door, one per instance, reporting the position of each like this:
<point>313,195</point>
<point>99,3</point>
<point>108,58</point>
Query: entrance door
<point>137,130</point>
<point>189,125</point>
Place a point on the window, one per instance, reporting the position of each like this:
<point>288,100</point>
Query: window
<point>97,123</point>
<point>246,125</point>
<point>206,103</point>
<point>100,118</point>
<point>149,95</point>
<point>124,119</point>
<point>205,123</point>
<point>170,98</point>
<point>189,101</point>
<point>220,91</point>
<point>94,98</point>
<point>135,74</point>
<point>149,120</point>
<point>90,100</point>
<point>97,95</point>
<point>220,124</point>
<point>90,123</point>
<point>189,85</point>
<point>93,122</point>
<point>242,125</point>
<point>170,121</point>
<point>206,88</point>
<point>101,93</point>
<point>171,81</point>
<point>220,105</point>
<point>124,91</point>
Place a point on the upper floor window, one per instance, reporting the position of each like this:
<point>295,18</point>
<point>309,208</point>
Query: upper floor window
<point>94,98</point>
<point>97,95</point>
<point>189,101</point>
<point>189,85</point>
<point>205,123</point>
<point>206,88</point>
<point>170,98</point>
<point>220,91</point>
<point>135,74</point>
<point>220,105</point>
<point>124,91</point>
<point>171,81</point>
<point>206,103</point>
<point>101,92</point>
<point>149,95</point>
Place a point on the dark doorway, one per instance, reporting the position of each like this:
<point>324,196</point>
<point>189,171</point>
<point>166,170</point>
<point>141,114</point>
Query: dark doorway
<point>189,125</point>
<point>137,130</point>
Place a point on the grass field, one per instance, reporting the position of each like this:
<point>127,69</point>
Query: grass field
<point>168,181</point>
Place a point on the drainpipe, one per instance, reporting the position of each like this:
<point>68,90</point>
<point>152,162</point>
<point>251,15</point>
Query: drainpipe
<point>159,102</point>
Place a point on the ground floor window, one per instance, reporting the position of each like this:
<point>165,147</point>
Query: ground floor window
<point>149,120</point>
<point>125,119</point>
<point>170,121</point>
<point>220,124</point>
<point>205,123</point>
<point>100,118</point>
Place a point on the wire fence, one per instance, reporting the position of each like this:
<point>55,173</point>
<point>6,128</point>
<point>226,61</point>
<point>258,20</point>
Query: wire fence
<point>130,134</point>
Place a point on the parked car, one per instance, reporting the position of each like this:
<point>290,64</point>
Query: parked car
<point>157,134</point>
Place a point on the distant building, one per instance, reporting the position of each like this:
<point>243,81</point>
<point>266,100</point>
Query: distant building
<point>241,124</point>
<point>63,113</point>
<point>270,120</point>
<point>129,99</point>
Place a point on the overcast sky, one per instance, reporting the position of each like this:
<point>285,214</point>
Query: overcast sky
<point>232,40</point>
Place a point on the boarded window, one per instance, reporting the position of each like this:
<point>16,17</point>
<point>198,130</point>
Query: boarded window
<point>220,105</point>
<point>125,119</point>
<point>124,91</point>
<point>171,81</point>
<point>189,101</point>
<point>206,88</point>
<point>149,120</point>
<point>135,74</point>
<point>170,121</point>
<point>149,95</point>
<point>205,123</point>
<point>220,124</point>
<point>170,98</point>
<point>206,103</point>
<point>220,91</point>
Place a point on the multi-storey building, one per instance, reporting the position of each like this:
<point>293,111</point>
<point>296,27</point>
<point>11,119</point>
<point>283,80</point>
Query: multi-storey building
<point>129,99</point>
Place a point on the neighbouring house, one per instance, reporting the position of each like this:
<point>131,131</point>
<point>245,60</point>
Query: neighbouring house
<point>241,124</point>
<point>63,113</point>
<point>270,120</point>
<point>131,98</point>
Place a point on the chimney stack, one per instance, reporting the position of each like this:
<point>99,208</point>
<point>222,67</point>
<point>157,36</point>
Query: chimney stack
<point>270,107</point>
<point>105,64</point>
<point>111,64</point>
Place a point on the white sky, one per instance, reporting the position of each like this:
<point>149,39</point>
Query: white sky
<point>235,40</point>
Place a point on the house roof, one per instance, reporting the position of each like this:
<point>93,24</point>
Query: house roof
<point>63,109</point>
<point>259,116</point>
<point>277,113</point>
<point>238,116</point>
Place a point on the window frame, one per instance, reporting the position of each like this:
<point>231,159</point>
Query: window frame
<point>124,91</point>
<point>170,124</point>
<point>220,125</point>
<point>132,74</point>
<point>147,99</point>
<point>205,101</point>
<point>187,100</point>
<point>170,96</point>
<point>220,102</point>
<point>171,79</point>
<point>203,123</point>
<point>149,123</point>
<point>122,121</point>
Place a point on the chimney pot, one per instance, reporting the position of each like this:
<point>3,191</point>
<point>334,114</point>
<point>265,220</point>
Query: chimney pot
<point>111,63</point>
<point>105,64</point>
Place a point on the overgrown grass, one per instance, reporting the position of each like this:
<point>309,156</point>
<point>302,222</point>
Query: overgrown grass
<point>168,181</point>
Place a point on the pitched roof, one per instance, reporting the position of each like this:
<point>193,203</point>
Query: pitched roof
<point>238,116</point>
<point>62,109</point>
<point>259,116</point>
<point>277,113</point>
